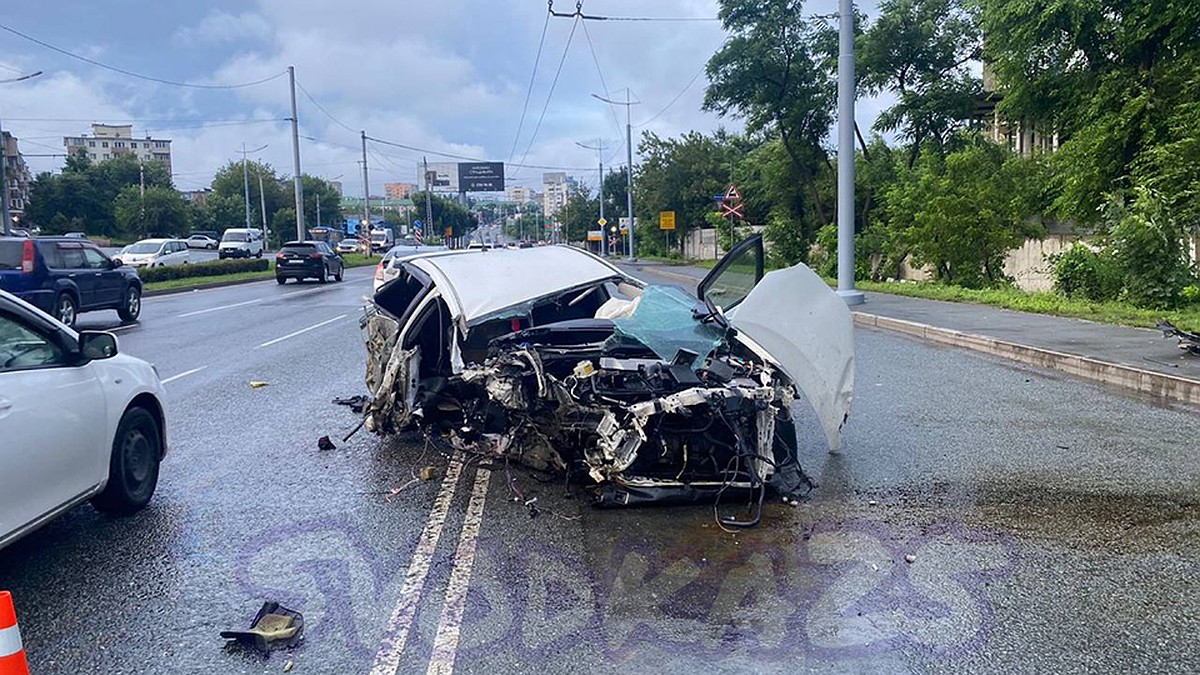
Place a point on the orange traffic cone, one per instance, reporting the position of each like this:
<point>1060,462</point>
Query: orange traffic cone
<point>12,652</point>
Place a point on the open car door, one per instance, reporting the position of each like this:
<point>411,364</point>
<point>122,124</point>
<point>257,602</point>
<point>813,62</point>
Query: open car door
<point>801,324</point>
<point>734,276</point>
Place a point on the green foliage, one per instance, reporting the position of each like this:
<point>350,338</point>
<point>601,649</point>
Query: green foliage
<point>160,212</point>
<point>918,50</point>
<point>788,245</point>
<point>1080,272</point>
<point>1150,246</point>
<point>204,269</point>
<point>960,214</point>
<point>82,197</point>
<point>447,213</point>
<point>683,175</point>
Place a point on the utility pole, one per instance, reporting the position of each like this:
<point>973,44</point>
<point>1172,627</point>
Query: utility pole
<point>5,214</point>
<point>246,185</point>
<point>142,191</point>
<point>246,179</point>
<point>845,178</point>
<point>599,147</point>
<point>262,206</point>
<point>428,202</point>
<point>629,103</point>
<point>296,157</point>
<point>366,186</point>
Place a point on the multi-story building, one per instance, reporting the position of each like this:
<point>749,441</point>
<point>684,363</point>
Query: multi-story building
<point>556,191</point>
<point>197,197</point>
<point>17,174</point>
<point>520,195</point>
<point>1023,137</point>
<point>399,190</point>
<point>112,140</point>
<point>337,185</point>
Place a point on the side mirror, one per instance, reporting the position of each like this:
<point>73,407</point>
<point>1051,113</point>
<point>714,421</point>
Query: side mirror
<point>97,345</point>
<point>114,263</point>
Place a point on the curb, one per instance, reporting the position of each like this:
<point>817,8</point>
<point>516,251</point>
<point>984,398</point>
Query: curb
<point>1158,385</point>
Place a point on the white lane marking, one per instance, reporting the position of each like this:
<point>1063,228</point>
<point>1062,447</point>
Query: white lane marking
<point>120,328</point>
<point>217,309</point>
<point>302,331</point>
<point>387,659</point>
<point>185,373</point>
<point>445,643</point>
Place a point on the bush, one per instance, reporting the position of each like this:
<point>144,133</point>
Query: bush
<point>205,269</point>
<point>1150,246</point>
<point>1080,272</point>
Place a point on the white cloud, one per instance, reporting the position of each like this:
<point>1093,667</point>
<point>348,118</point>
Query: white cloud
<point>219,27</point>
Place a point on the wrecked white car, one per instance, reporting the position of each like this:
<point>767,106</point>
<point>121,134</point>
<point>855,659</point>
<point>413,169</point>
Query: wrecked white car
<point>555,358</point>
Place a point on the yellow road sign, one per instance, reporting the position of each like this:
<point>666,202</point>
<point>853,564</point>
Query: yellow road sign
<point>602,222</point>
<point>666,220</point>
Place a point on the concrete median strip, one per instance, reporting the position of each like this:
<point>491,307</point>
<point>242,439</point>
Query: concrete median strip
<point>1158,385</point>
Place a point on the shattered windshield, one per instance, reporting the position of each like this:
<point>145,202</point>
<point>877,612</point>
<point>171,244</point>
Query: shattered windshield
<point>663,321</point>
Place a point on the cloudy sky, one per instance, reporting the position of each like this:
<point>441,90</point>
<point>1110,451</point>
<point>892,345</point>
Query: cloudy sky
<point>449,76</point>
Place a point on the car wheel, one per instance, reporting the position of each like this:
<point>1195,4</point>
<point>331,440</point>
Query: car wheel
<point>131,306</point>
<point>259,254</point>
<point>133,468</point>
<point>324,278</point>
<point>211,246</point>
<point>338,276</point>
<point>66,310</point>
<point>281,280</point>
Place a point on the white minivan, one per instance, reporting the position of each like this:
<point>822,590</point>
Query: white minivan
<point>240,242</point>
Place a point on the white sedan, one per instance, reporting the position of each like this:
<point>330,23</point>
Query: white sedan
<point>202,241</point>
<point>79,422</point>
<point>155,253</point>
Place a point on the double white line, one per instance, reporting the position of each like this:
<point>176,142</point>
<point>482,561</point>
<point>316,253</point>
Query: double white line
<point>445,643</point>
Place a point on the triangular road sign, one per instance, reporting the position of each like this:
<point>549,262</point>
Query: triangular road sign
<point>732,193</point>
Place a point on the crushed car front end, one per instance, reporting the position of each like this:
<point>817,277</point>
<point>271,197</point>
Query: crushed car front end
<point>641,391</point>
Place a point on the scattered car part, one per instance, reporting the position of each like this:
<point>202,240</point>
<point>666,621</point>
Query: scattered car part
<point>1188,341</point>
<point>274,627</point>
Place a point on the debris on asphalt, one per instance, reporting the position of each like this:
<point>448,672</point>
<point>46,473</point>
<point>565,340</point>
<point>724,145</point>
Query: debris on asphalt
<point>910,558</point>
<point>1063,446</point>
<point>428,473</point>
<point>323,443</point>
<point>356,403</point>
<point>258,384</point>
<point>1187,341</point>
<point>872,502</point>
<point>287,667</point>
<point>274,627</point>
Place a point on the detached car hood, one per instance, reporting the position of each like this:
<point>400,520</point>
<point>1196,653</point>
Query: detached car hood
<point>807,330</point>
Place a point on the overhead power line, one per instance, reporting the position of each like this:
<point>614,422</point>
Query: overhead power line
<point>578,14</point>
<point>130,73</point>
<point>323,110</point>
<point>611,109</point>
<point>467,158</point>
<point>550,94</point>
<point>529,91</point>
<point>677,97</point>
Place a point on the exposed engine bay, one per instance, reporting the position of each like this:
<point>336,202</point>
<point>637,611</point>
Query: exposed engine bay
<point>640,392</point>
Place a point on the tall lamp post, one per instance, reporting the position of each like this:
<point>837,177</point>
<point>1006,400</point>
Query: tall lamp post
<point>246,179</point>
<point>599,148</point>
<point>845,178</point>
<point>628,103</point>
<point>4,212</point>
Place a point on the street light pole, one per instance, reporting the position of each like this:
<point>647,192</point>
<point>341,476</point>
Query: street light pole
<point>246,179</point>
<point>5,213</point>
<point>845,178</point>
<point>629,103</point>
<point>262,206</point>
<point>299,186</point>
<point>599,148</point>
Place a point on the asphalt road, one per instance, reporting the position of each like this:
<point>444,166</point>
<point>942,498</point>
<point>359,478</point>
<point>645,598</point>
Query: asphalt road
<point>982,517</point>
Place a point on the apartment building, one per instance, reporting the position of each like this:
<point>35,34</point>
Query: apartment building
<point>17,174</point>
<point>112,140</point>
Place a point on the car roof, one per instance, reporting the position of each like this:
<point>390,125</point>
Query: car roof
<point>476,283</point>
<point>306,242</point>
<point>154,240</point>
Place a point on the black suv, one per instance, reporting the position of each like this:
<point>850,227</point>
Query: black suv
<point>65,276</point>
<point>307,260</point>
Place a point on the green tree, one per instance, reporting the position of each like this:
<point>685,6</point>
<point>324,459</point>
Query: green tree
<point>918,50</point>
<point>1116,79</point>
<point>161,212</point>
<point>961,213</point>
<point>322,191</point>
<point>228,185</point>
<point>770,72</point>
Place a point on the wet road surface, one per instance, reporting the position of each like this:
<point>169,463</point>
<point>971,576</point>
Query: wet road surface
<point>982,517</point>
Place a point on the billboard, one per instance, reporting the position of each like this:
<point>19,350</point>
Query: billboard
<point>481,176</point>
<point>442,177</point>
